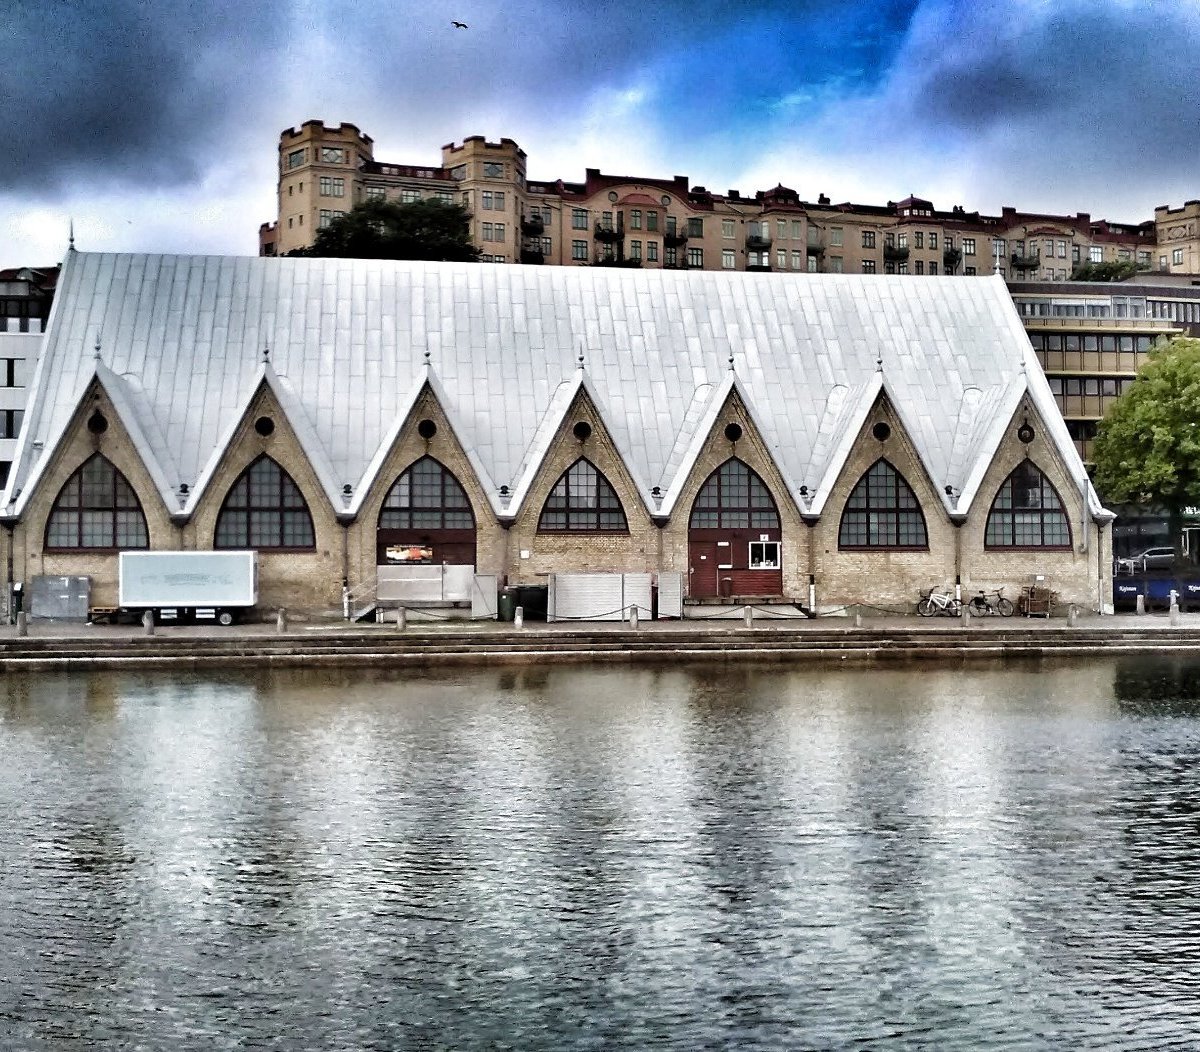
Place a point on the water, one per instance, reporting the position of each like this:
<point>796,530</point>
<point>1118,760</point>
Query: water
<point>603,859</point>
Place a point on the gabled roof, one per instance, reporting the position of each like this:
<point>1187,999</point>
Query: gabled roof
<point>351,342</point>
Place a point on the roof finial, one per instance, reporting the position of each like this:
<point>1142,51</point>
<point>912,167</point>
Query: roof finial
<point>581,361</point>
<point>266,351</point>
<point>71,235</point>
<point>96,351</point>
<point>427,357</point>
<point>731,361</point>
<point>879,363</point>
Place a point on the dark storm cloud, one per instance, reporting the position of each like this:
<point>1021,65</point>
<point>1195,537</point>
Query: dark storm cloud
<point>132,91</point>
<point>1112,80</point>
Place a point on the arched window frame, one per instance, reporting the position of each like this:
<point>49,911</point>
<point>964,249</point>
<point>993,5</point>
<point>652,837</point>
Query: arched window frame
<point>582,500</point>
<point>251,516</point>
<point>734,497</point>
<point>426,496</point>
<point>882,513</point>
<point>97,513</point>
<point>1032,516</point>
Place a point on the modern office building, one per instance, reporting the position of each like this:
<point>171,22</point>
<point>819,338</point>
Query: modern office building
<point>669,223</point>
<point>25,297</point>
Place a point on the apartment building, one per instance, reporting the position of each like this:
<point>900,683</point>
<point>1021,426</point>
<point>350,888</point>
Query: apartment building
<point>25,297</point>
<point>670,223</point>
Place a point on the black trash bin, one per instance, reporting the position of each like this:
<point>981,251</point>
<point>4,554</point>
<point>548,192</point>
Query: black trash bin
<point>506,604</point>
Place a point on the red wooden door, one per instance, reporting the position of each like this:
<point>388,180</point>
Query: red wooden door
<point>703,560</point>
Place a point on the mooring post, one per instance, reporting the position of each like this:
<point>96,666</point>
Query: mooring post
<point>966,615</point>
<point>1174,614</point>
<point>148,623</point>
<point>1072,615</point>
<point>401,618</point>
<point>519,617</point>
<point>748,616</point>
<point>858,619</point>
<point>633,616</point>
<point>22,623</point>
<point>281,620</point>
<point>1141,604</point>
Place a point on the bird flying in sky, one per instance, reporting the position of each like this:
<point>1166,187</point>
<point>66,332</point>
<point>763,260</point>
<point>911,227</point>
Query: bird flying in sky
<point>459,25</point>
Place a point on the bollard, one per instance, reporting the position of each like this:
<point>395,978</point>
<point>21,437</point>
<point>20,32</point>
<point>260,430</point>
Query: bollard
<point>148,623</point>
<point>748,616</point>
<point>1174,614</point>
<point>281,620</point>
<point>858,619</point>
<point>966,615</point>
<point>1072,615</point>
<point>519,617</point>
<point>401,618</point>
<point>22,623</point>
<point>1141,604</point>
<point>633,616</point>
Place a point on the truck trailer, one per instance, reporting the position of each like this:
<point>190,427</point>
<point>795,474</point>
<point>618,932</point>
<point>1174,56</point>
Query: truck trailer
<point>186,586</point>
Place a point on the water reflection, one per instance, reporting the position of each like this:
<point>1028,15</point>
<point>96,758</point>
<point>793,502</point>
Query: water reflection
<point>602,858</point>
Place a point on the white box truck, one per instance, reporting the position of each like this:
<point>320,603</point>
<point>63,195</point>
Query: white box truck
<point>188,586</point>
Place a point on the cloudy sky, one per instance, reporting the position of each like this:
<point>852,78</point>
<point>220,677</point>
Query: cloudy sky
<point>153,123</point>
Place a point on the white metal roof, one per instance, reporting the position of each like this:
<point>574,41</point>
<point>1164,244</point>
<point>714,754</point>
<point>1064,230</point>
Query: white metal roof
<point>351,342</point>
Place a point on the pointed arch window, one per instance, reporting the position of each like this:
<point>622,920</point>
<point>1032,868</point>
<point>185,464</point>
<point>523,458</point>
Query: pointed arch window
<point>734,497</point>
<point>1027,512</point>
<point>426,496</point>
<point>96,508</point>
<point>882,512</point>
<point>265,509</point>
<point>582,501</point>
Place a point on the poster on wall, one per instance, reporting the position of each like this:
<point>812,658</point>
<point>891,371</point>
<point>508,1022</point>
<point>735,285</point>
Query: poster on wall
<point>410,554</point>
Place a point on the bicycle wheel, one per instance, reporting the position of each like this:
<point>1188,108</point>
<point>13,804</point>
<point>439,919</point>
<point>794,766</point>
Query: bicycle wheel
<point>979,606</point>
<point>953,608</point>
<point>1004,606</point>
<point>926,607</point>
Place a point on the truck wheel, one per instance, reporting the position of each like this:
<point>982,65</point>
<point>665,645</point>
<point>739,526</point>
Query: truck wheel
<point>225,618</point>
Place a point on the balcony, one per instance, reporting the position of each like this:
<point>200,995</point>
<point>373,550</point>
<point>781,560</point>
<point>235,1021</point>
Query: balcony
<point>533,255</point>
<point>1020,262</point>
<point>951,258</point>
<point>758,268</point>
<point>815,248</point>
<point>610,259</point>
<point>532,226</point>
<point>894,254</point>
<point>758,241</point>
<point>609,233</point>
<point>675,238</point>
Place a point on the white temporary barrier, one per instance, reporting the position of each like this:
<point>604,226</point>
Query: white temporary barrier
<point>597,596</point>
<point>670,594</point>
<point>424,583</point>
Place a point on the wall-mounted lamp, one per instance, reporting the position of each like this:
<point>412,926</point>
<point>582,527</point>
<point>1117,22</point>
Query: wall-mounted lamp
<point>1025,432</point>
<point>504,491</point>
<point>804,491</point>
<point>656,492</point>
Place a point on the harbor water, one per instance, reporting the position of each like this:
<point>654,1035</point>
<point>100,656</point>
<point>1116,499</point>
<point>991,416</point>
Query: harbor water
<point>708,857</point>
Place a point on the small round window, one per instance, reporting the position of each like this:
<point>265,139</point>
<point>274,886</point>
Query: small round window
<point>881,431</point>
<point>265,426</point>
<point>97,423</point>
<point>427,429</point>
<point>733,432</point>
<point>582,430</point>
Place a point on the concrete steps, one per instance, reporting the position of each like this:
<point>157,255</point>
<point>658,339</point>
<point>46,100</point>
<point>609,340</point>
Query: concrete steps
<point>418,647</point>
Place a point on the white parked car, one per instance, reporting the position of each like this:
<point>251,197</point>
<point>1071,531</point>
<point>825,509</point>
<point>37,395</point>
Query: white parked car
<point>1150,559</point>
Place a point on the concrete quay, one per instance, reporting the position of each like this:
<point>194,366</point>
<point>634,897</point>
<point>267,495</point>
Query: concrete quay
<point>882,641</point>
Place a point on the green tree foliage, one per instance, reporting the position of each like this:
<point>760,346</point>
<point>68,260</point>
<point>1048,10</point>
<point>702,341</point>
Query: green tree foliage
<point>1117,270</point>
<point>1147,449</point>
<point>428,229</point>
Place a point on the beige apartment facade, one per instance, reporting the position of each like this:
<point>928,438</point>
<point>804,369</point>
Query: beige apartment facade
<point>669,223</point>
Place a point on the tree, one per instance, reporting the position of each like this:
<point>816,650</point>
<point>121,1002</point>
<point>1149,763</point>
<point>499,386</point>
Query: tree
<point>429,229</point>
<point>1117,270</point>
<point>1147,448</point>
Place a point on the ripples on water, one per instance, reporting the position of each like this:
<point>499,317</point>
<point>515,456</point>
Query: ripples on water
<point>602,858</point>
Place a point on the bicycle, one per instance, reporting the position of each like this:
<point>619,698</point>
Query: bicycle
<point>981,606</point>
<point>935,602</point>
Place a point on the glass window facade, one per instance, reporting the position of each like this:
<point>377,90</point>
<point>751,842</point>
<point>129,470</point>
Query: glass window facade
<point>96,508</point>
<point>882,512</point>
<point>734,497</point>
<point>426,497</point>
<point>582,501</point>
<point>265,509</point>
<point>1027,513</point>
